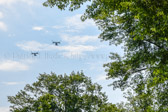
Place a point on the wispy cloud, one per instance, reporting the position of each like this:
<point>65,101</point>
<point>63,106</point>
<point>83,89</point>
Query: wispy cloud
<point>67,50</point>
<point>9,65</point>
<point>71,24</point>
<point>76,24</point>
<point>12,83</point>
<point>78,39</point>
<point>58,27</point>
<point>3,26</point>
<point>79,48</point>
<point>34,46</point>
<point>4,109</point>
<point>1,15</point>
<point>10,2</point>
<point>101,78</point>
<point>38,28</point>
<point>76,50</point>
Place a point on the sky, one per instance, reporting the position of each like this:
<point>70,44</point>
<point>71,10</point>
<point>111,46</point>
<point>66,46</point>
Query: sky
<point>26,26</point>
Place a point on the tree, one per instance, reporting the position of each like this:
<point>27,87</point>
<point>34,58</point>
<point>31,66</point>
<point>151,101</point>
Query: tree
<point>142,27</point>
<point>110,108</point>
<point>60,93</point>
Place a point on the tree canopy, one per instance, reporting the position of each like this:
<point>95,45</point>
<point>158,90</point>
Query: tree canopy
<point>61,93</point>
<point>141,26</point>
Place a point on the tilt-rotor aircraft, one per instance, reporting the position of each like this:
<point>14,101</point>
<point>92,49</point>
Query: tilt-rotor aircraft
<point>34,53</point>
<point>56,43</point>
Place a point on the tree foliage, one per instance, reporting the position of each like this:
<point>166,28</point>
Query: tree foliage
<point>142,27</point>
<point>61,93</point>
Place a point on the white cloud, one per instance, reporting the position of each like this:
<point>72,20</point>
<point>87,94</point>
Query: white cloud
<point>1,15</point>
<point>76,50</point>
<point>12,83</point>
<point>79,48</point>
<point>9,65</point>
<point>3,26</point>
<point>10,2</point>
<point>74,23</point>
<point>67,50</point>
<point>78,39</point>
<point>38,28</point>
<point>58,27</point>
<point>4,109</point>
<point>34,46</point>
<point>101,78</point>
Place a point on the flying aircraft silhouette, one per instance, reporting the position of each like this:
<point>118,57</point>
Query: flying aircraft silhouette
<point>34,53</point>
<point>56,43</point>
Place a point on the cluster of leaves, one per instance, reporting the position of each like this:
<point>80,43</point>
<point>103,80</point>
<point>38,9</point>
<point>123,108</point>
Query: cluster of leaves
<point>61,93</point>
<point>142,26</point>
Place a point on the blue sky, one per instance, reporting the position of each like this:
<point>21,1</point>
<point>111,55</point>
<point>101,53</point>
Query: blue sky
<point>26,26</point>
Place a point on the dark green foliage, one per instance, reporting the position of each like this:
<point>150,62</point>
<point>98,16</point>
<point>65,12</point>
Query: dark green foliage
<point>110,108</point>
<point>60,93</point>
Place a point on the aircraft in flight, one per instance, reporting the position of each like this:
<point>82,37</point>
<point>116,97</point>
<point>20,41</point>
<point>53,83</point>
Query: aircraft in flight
<point>56,43</point>
<point>34,53</point>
